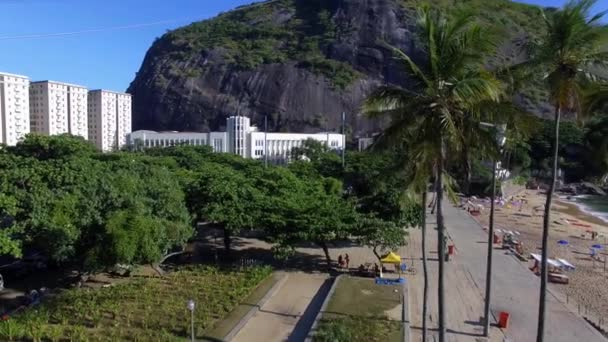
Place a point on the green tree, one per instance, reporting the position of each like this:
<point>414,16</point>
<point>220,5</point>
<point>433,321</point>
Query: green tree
<point>379,235</point>
<point>53,147</point>
<point>309,210</point>
<point>60,197</point>
<point>225,197</point>
<point>569,53</point>
<point>596,152</point>
<point>451,82</point>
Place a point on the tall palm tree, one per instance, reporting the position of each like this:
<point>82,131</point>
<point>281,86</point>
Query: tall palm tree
<point>449,82</point>
<point>568,55</point>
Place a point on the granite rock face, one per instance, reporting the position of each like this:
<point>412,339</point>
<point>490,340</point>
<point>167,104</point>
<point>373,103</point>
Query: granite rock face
<point>299,62</point>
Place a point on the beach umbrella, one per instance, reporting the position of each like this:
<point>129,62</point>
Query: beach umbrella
<point>563,242</point>
<point>598,246</point>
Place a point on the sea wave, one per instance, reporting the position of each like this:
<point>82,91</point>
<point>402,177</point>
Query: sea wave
<point>582,202</point>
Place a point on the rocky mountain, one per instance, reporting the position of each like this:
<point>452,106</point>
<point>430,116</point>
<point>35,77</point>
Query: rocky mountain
<point>299,62</point>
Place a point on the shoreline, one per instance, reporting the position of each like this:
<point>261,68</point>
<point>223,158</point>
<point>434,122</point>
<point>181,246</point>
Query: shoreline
<point>574,209</point>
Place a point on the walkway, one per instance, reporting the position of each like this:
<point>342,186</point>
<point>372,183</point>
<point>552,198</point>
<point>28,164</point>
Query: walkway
<point>290,312</point>
<point>514,288</point>
<point>465,296</point>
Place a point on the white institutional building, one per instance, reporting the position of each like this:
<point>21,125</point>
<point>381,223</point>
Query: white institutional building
<point>109,119</point>
<point>58,108</point>
<point>14,108</point>
<point>240,138</point>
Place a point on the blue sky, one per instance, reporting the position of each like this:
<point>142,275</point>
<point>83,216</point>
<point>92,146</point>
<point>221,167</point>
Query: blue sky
<point>107,59</point>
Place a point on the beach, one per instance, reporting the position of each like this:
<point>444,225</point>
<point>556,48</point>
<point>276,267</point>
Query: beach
<point>524,215</point>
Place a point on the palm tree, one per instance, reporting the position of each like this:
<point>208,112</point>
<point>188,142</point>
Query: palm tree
<point>448,84</point>
<point>568,55</point>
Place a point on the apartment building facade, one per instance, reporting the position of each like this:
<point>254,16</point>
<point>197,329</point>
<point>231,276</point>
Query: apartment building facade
<point>58,108</point>
<point>14,108</point>
<point>109,119</point>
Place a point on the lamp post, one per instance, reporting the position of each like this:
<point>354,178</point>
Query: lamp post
<point>266,140</point>
<point>191,309</point>
<point>343,138</point>
<point>499,131</point>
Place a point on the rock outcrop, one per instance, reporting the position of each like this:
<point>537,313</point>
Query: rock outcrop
<point>299,62</point>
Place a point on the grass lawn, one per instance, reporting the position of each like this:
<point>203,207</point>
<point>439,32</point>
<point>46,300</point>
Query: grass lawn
<point>144,309</point>
<point>360,310</point>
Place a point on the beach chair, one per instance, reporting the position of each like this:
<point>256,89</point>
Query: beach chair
<point>558,278</point>
<point>567,265</point>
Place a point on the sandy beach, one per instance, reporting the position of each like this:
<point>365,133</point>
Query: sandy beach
<point>568,222</point>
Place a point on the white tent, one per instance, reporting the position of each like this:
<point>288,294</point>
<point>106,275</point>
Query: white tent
<point>551,262</point>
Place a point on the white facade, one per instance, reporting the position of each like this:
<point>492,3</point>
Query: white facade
<point>237,128</point>
<point>14,108</point>
<point>364,143</point>
<point>148,139</point>
<point>240,138</point>
<point>109,119</point>
<point>58,108</point>
<point>279,145</point>
<point>123,117</point>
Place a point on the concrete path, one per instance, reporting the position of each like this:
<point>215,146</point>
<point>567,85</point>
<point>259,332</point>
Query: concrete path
<point>464,297</point>
<point>514,288</point>
<point>290,312</point>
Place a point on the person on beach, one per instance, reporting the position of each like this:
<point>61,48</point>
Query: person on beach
<point>340,261</point>
<point>347,260</point>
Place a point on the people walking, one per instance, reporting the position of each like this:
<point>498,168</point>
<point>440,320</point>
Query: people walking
<point>347,260</point>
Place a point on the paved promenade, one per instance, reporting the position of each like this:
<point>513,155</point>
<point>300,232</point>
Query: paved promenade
<point>465,296</point>
<point>290,312</point>
<point>514,288</point>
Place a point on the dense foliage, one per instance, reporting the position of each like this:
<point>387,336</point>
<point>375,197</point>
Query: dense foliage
<point>61,198</point>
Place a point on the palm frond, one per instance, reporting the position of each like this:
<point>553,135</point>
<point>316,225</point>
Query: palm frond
<point>387,98</point>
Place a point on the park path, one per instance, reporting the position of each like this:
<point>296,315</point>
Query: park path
<point>290,312</point>
<point>514,289</point>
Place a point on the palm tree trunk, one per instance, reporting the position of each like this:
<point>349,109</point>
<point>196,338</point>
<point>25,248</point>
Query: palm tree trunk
<point>425,294</point>
<point>440,244</point>
<point>467,170</point>
<point>540,333</point>
<point>486,306</point>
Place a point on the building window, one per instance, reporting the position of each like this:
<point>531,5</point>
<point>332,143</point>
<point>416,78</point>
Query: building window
<point>218,145</point>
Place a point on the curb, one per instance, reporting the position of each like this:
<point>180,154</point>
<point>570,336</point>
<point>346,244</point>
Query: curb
<point>330,293</point>
<point>232,334</point>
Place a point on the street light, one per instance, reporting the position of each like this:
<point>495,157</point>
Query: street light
<point>499,131</point>
<point>190,306</point>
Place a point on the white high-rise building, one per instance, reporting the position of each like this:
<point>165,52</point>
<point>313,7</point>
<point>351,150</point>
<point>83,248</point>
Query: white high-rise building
<point>14,108</point>
<point>109,119</point>
<point>58,108</point>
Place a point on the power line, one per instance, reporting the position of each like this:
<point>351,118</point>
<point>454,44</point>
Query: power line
<point>72,33</point>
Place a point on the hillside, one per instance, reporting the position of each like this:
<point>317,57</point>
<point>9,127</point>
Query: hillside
<point>301,62</point>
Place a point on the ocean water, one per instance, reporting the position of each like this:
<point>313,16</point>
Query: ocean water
<point>594,205</point>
